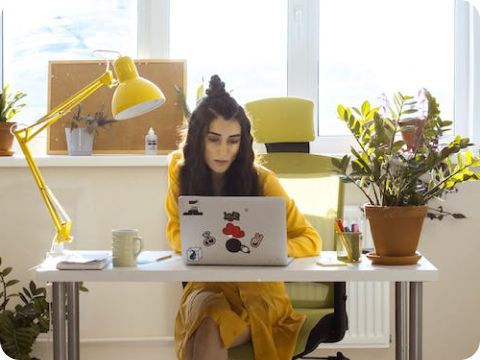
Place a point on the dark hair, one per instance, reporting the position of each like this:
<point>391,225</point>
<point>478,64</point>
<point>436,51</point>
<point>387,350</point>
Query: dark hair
<point>195,175</point>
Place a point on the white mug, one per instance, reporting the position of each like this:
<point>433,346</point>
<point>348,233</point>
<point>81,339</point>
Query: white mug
<point>126,245</point>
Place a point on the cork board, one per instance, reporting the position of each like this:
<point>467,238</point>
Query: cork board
<point>123,137</point>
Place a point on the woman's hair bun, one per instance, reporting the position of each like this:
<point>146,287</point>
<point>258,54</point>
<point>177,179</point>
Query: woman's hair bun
<point>216,87</point>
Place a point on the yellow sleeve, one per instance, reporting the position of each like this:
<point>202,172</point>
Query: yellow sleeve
<point>303,239</point>
<point>171,202</point>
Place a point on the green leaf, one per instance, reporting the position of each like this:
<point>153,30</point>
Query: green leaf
<point>397,145</point>
<point>459,160</point>
<point>336,163</point>
<point>6,271</point>
<point>468,156</point>
<point>409,111</point>
<point>24,299</point>
<point>33,287</point>
<point>11,283</point>
<point>25,290</point>
<point>365,108</point>
<point>357,111</point>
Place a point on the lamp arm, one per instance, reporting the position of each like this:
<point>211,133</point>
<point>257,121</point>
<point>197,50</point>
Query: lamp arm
<point>59,216</point>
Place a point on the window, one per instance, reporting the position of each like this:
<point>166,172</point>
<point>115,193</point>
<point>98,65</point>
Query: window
<point>342,51</point>
<point>60,31</point>
<point>244,42</point>
<point>373,46</point>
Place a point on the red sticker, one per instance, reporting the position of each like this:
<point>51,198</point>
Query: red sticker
<point>232,230</point>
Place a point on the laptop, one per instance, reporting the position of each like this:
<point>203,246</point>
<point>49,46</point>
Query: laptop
<point>233,230</point>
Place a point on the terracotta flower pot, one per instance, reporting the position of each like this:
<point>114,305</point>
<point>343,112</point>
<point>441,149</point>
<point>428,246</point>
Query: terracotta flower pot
<point>413,136</point>
<point>395,229</point>
<point>6,138</point>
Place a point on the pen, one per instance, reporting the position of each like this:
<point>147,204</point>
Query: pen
<point>164,257</point>
<point>346,244</point>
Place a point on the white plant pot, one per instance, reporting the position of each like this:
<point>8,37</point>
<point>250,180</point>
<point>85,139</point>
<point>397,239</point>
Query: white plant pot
<point>79,141</point>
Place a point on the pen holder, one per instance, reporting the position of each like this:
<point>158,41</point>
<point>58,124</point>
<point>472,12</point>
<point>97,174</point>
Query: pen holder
<point>348,246</point>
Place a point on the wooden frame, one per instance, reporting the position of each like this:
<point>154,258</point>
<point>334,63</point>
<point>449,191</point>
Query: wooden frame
<point>124,137</point>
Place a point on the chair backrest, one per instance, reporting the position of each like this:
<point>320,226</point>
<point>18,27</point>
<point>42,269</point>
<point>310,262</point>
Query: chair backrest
<point>308,178</point>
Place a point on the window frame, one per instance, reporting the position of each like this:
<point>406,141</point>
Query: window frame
<point>303,52</point>
<point>153,41</point>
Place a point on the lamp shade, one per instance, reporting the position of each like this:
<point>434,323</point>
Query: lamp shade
<point>134,95</point>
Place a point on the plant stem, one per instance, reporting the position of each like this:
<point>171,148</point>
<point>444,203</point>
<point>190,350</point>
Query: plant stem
<point>392,140</point>
<point>361,189</point>
<point>4,291</point>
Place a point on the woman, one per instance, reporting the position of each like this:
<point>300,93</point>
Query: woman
<point>217,158</point>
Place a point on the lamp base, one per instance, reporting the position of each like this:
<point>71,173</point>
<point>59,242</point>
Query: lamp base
<point>56,249</point>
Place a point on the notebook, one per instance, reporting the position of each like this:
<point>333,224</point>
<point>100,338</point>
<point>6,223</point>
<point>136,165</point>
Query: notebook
<point>233,230</point>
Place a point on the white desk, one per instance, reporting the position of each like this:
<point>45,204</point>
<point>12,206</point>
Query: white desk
<point>408,287</point>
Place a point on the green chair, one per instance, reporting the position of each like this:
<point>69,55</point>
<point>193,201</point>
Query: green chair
<point>285,126</point>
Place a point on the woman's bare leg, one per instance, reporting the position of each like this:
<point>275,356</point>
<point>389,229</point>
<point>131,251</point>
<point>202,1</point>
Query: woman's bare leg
<point>206,342</point>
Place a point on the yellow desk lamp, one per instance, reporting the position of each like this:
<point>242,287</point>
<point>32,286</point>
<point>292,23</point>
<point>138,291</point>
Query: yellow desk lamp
<point>133,96</point>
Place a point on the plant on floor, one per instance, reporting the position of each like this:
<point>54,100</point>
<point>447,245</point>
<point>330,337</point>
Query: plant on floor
<point>406,171</point>
<point>20,326</point>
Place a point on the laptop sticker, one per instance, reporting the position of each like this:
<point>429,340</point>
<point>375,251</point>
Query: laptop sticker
<point>194,254</point>
<point>231,216</point>
<point>234,245</point>
<point>193,209</point>
<point>256,240</point>
<point>234,231</point>
<point>208,239</point>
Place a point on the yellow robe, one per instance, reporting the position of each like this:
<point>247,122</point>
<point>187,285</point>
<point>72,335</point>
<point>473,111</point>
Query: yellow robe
<point>264,307</point>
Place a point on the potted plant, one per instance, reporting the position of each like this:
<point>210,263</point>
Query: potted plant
<point>21,325</point>
<point>400,165</point>
<point>81,133</point>
<point>10,105</point>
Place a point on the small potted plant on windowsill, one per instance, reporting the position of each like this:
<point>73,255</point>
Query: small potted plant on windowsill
<point>81,133</point>
<point>10,105</point>
<point>399,175</point>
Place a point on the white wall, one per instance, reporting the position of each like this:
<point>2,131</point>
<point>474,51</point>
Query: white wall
<point>99,199</point>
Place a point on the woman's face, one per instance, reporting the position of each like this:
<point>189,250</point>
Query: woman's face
<point>222,143</point>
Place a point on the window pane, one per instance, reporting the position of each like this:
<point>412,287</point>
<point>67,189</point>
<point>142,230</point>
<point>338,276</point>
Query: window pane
<point>244,42</point>
<point>371,47</point>
<point>61,30</point>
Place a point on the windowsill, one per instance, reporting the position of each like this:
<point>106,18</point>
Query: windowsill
<point>87,161</point>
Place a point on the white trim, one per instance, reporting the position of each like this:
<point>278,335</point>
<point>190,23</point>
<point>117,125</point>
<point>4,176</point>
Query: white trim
<point>153,29</point>
<point>160,340</point>
<point>87,161</point>
<point>467,75</point>
<point>303,48</point>
<point>1,49</point>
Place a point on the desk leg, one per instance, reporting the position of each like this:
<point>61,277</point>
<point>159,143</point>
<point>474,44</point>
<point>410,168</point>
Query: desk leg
<point>401,321</point>
<point>58,314</point>
<point>415,335</point>
<point>73,321</point>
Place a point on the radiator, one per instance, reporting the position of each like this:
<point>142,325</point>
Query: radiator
<point>368,310</point>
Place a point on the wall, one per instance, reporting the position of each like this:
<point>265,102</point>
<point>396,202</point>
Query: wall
<point>120,321</point>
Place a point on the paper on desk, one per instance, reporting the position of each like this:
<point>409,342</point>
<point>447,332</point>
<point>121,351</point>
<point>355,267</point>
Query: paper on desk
<point>84,261</point>
<point>147,257</point>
